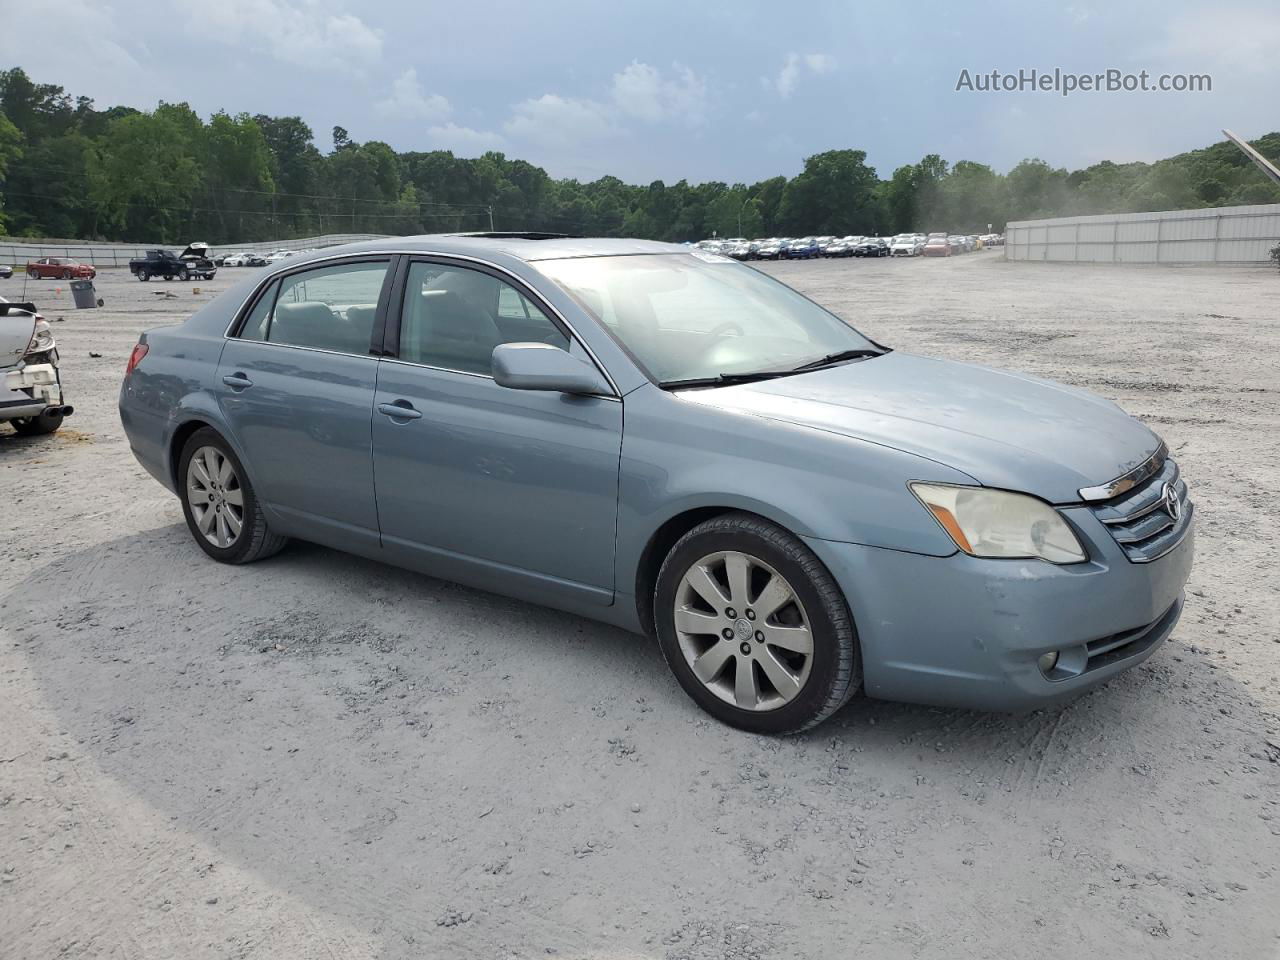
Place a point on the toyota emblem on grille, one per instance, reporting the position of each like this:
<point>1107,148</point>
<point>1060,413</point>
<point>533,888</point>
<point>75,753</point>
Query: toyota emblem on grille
<point>1172,505</point>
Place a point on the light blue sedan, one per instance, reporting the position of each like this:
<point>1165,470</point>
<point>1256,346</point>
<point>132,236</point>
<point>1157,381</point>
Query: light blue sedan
<point>658,437</point>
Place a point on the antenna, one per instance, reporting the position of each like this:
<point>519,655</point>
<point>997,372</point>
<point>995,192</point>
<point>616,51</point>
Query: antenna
<point>1265,165</point>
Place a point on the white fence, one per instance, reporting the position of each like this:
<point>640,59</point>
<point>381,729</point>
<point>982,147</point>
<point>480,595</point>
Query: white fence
<point>17,251</point>
<point>1226,235</point>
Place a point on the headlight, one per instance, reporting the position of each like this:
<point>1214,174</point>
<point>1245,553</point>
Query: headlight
<point>995,523</point>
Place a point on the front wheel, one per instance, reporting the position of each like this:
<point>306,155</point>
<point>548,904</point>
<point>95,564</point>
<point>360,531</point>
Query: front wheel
<point>32,274</point>
<point>38,425</point>
<point>183,274</point>
<point>754,626</point>
<point>144,276</point>
<point>222,511</point>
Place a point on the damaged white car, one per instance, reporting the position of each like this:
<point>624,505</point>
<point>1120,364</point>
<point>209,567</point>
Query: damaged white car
<point>30,385</point>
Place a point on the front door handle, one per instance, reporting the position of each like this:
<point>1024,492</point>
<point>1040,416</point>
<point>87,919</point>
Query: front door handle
<point>237,381</point>
<point>400,410</point>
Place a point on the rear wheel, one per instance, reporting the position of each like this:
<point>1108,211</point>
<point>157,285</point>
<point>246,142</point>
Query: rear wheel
<point>37,425</point>
<point>222,512</point>
<point>754,626</point>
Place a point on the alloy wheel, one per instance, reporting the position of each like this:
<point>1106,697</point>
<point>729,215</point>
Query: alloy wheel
<point>743,631</point>
<point>215,496</point>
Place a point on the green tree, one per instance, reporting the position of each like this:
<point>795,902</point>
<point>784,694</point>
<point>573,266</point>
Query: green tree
<point>10,150</point>
<point>835,194</point>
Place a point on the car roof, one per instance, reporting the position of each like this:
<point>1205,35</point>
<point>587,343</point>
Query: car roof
<point>521,246</point>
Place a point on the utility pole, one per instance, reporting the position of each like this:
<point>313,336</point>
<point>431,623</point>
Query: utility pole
<point>491,218</point>
<point>1265,165</point>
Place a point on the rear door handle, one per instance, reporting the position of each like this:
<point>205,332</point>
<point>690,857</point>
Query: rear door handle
<point>237,381</point>
<point>400,410</point>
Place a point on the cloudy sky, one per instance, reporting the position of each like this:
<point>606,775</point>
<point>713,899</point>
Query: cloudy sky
<point>705,91</point>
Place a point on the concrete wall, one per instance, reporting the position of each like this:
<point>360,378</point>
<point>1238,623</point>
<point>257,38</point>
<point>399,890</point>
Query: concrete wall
<point>17,251</point>
<point>1228,235</point>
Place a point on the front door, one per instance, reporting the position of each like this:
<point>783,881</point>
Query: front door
<point>296,388</point>
<point>514,489</point>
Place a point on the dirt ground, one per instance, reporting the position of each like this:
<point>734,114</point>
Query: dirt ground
<point>322,757</point>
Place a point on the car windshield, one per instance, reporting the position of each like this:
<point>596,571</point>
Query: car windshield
<point>689,317</point>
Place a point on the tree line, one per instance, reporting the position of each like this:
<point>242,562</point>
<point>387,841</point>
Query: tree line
<point>71,170</point>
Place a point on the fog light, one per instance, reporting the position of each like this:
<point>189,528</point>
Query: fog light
<point>1048,661</point>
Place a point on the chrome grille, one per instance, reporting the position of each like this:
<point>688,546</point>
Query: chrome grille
<point>1150,519</point>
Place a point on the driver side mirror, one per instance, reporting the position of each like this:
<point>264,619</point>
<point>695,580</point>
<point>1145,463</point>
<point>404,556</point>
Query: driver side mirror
<point>540,366</point>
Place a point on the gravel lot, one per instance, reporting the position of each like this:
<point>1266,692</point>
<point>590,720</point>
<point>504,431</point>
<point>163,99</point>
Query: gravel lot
<point>319,756</point>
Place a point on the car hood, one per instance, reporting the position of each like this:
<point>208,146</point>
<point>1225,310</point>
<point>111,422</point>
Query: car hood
<point>1005,430</point>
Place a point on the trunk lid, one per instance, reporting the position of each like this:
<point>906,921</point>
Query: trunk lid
<point>17,324</point>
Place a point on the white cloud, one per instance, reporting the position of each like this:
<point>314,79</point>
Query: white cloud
<point>409,101</point>
<point>637,92</point>
<point>820,62</point>
<point>795,66</point>
<point>304,33</point>
<point>641,91</point>
<point>465,140</point>
<point>112,74</point>
<point>1232,38</point>
<point>552,120</point>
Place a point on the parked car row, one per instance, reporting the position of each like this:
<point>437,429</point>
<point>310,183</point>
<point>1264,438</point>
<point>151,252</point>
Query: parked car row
<point>252,259</point>
<point>807,248</point>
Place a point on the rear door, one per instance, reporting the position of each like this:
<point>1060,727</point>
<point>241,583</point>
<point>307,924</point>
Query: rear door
<point>512,489</point>
<point>296,388</point>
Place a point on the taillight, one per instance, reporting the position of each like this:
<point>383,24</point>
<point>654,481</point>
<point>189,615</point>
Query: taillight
<point>135,358</point>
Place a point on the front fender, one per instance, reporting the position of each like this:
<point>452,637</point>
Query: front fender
<point>678,457</point>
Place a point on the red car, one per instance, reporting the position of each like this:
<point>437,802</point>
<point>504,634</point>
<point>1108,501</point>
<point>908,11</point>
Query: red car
<point>59,268</point>
<point>937,246</point>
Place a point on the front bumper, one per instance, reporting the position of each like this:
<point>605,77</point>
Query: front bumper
<point>967,632</point>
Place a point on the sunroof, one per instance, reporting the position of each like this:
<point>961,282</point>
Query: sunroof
<point>516,235</point>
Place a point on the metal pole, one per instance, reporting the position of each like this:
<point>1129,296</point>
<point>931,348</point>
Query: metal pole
<point>491,219</point>
<point>1265,165</point>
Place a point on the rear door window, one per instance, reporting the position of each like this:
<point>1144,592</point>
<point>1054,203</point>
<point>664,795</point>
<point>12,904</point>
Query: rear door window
<point>329,308</point>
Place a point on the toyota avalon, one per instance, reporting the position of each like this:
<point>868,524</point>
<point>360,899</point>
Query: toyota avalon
<point>660,438</point>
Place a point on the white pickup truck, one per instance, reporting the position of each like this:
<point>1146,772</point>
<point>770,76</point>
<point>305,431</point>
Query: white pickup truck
<point>30,386</point>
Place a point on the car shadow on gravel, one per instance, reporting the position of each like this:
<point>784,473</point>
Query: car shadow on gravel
<point>446,750</point>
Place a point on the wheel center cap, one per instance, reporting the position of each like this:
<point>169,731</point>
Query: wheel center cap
<point>742,628</point>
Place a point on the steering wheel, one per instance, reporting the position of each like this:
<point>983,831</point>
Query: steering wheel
<point>727,328</point>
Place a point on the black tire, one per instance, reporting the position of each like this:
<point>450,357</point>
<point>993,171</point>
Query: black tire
<point>66,274</point>
<point>168,276</point>
<point>835,673</point>
<point>143,275</point>
<point>33,275</point>
<point>183,274</point>
<point>39,425</point>
<point>255,541</point>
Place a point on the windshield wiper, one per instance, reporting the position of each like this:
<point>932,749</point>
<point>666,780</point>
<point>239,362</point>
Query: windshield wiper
<point>724,379</point>
<point>830,358</point>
